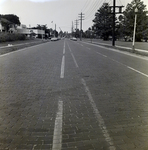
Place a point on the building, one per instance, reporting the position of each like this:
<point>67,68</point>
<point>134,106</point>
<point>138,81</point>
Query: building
<point>22,29</point>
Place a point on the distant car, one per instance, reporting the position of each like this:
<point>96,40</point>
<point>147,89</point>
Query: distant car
<point>74,39</point>
<point>54,39</point>
<point>59,38</point>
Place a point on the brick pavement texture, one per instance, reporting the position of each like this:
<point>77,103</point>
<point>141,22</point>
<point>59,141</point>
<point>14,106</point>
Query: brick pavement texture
<point>31,88</point>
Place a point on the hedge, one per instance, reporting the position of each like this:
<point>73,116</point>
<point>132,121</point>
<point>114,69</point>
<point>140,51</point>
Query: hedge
<point>7,37</point>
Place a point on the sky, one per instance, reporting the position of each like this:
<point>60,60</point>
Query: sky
<point>62,13</point>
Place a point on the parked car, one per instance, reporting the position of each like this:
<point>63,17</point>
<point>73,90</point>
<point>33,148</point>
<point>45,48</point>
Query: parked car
<point>74,39</point>
<point>54,39</point>
<point>59,38</point>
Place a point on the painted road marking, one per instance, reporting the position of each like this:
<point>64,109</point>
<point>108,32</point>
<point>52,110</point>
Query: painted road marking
<point>74,60</point>
<point>62,67</point>
<point>64,49</point>
<point>57,136</point>
<point>76,64</point>
<point>99,117</point>
<point>88,48</point>
<point>118,51</point>
<point>130,68</point>
<point>63,63</point>
<point>125,65</point>
<point>138,71</point>
<point>101,54</point>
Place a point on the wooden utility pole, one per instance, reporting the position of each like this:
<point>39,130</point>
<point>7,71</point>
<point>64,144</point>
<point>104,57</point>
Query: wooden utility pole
<point>113,37</point>
<point>114,16</point>
<point>81,18</point>
<point>72,29</point>
<point>76,23</point>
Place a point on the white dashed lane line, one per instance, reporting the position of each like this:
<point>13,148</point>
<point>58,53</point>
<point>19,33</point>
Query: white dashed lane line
<point>62,67</point>
<point>57,136</point>
<point>63,63</point>
<point>138,71</point>
<point>135,70</point>
<point>99,117</point>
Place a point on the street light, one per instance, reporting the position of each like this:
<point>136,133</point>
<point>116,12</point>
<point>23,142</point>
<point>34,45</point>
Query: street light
<point>133,48</point>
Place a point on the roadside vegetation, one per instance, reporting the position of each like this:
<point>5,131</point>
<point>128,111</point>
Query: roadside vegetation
<point>102,25</point>
<point>7,37</point>
<point>124,24</point>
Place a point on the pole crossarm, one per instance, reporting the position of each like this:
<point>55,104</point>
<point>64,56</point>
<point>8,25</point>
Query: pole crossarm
<point>110,9</point>
<point>76,23</point>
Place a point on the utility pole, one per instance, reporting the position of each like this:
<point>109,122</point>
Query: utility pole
<point>114,15</point>
<point>72,29</point>
<point>55,31</point>
<point>76,23</point>
<point>113,37</point>
<point>81,18</point>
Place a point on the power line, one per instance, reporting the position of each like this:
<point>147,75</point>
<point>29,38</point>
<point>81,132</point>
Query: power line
<point>89,5</point>
<point>91,15</point>
<point>86,5</point>
<point>95,5</point>
<point>94,10</point>
<point>120,2</point>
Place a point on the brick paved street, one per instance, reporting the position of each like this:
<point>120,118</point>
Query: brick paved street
<point>68,95</point>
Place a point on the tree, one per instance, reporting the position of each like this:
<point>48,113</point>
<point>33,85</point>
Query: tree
<point>56,33</point>
<point>119,27</point>
<point>45,28</point>
<point>129,17</point>
<point>8,20</point>
<point>103,22</point>
<point>88,33</point>
<point>77,33</point>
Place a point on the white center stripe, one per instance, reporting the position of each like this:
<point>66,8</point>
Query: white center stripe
<point>64,48</point>
<point>57,136</point>
<point>62,67</point>
<point>99,118</point>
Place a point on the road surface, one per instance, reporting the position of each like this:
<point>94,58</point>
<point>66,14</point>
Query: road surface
<point>69,95</point>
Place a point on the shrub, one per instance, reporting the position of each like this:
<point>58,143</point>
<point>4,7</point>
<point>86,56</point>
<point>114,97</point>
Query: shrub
<point>6,37</point>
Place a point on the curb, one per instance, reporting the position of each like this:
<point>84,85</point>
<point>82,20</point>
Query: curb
<point>11,48</point>
<point>122,48</point>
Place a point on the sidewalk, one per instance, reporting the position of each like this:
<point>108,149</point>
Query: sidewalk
<point>140,47</point>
